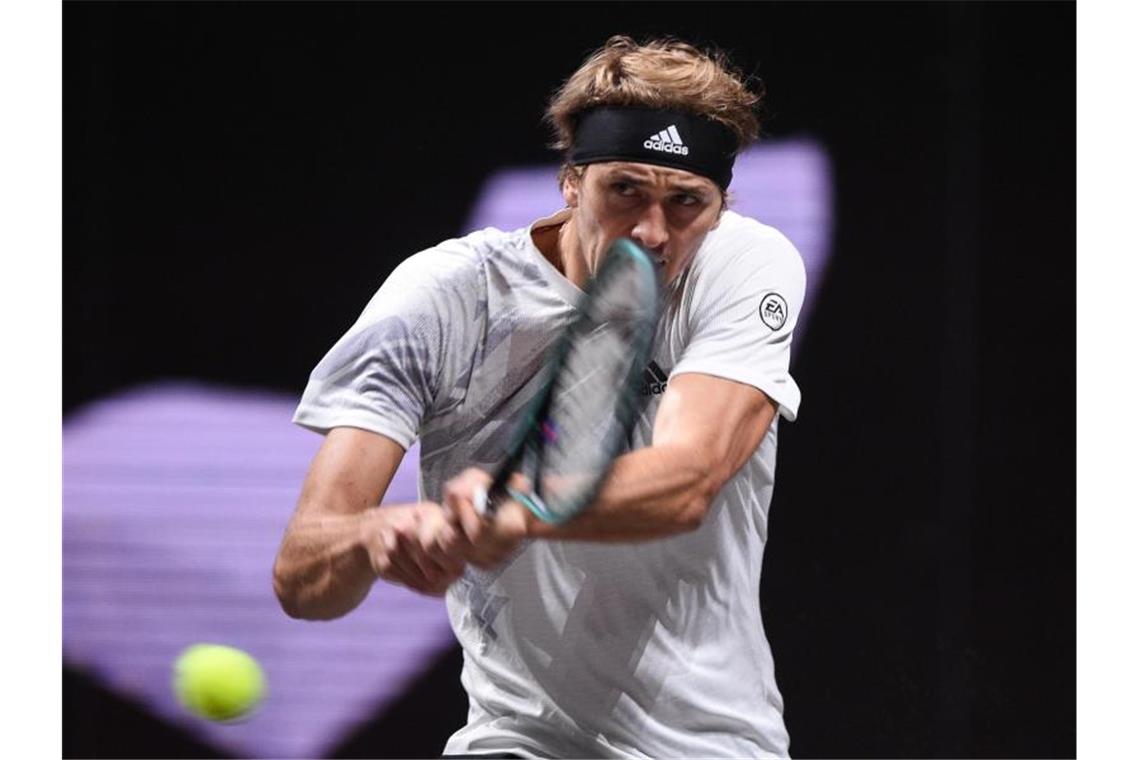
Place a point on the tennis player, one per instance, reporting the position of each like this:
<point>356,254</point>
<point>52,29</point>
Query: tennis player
<point>634,629</point>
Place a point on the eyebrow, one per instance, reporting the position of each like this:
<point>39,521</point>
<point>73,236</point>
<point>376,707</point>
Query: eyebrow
<point>687,186</point>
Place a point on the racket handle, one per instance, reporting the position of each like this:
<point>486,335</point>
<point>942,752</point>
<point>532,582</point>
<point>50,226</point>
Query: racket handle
<point>486,501</point>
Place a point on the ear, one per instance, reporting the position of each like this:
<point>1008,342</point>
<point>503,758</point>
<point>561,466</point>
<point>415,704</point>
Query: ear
<point>571,188</point>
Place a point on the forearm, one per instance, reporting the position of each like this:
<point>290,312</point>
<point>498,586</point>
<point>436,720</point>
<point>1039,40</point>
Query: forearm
<point>323,570</point>
<point>650,493</point>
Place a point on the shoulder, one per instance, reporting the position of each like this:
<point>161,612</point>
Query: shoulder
<point>456,266</point>
<point>454,259</point>
<point>740,247</point>
<point>740,237</point>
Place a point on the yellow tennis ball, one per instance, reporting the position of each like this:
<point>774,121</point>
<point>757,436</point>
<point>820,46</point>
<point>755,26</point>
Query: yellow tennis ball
<point>218,682</point>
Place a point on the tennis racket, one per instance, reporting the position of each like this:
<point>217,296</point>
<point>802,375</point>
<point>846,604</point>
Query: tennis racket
<point>590,397</point>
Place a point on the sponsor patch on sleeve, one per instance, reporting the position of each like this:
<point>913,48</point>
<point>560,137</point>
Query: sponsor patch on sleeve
<point>774,310</point>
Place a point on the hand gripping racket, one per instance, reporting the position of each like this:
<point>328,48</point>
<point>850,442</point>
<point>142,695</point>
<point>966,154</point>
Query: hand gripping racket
<point>590,397</point>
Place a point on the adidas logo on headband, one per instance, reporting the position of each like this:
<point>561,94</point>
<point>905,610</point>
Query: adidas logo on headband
<point>615,133</point>
<point>667,141</point>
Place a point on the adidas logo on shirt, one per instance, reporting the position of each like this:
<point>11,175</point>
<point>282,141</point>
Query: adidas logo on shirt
<point>653,380</point>
<point>668,141</point>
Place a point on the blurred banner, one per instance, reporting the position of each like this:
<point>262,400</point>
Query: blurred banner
<point>175,500</point>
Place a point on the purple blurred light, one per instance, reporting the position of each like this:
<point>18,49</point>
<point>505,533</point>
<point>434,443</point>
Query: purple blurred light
<point>175,500</point>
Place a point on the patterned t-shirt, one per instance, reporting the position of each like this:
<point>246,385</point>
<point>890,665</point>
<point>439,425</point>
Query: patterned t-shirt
<point>582,649</point>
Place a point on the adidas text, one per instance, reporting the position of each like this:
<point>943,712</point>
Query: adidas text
<point>682,150</point>
<point>667,140</point>
<point>653,380</point>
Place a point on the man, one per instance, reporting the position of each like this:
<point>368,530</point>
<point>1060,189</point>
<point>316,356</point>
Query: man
<point>633,629</point>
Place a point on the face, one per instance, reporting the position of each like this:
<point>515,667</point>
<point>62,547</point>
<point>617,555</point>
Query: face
<point>667,211</point>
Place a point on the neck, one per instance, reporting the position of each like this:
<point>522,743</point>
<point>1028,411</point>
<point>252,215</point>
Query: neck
<point>561,248</point>
<point>570,253</point>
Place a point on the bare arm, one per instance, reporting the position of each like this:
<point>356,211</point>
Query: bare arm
<point>338,543</point>
<point>706,429</point>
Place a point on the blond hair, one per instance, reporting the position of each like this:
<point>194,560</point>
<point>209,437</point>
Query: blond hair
<point>661,73</point>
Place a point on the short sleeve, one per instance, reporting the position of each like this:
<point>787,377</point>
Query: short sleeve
<point>745,303</point>
<point>402,358</point>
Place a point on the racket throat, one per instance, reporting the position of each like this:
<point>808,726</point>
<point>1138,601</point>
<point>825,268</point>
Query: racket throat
<point>487,503</point>
<point>535,504</point>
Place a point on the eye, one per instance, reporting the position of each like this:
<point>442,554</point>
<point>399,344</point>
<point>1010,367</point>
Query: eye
<point>623,188</point>
<point>688,199</point>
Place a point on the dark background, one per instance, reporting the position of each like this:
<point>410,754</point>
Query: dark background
<point>239,178</point>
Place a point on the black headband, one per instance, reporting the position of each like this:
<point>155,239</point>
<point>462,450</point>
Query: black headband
<point>654,136</point>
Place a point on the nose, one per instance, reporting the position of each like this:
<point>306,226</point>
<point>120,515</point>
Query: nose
<point>651,231</point>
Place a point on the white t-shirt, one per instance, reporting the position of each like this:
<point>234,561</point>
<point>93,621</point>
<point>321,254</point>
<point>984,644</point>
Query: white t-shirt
<point>581,649</point>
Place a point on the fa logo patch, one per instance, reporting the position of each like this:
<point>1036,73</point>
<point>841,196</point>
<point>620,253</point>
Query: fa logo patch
<point>774,311</point>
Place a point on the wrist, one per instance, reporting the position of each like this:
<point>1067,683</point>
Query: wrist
<point>532,526</point>
<point>517,521</point>
<point>368,536</point>
<point>535,527</point>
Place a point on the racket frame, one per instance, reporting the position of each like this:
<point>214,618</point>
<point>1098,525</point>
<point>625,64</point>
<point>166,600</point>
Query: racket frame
<point>529,435</point>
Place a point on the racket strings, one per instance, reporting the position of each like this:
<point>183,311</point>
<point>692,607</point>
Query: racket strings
<point>592,398</point>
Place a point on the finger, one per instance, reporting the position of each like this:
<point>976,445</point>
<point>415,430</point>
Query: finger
<point>520,482</point>
<point>414,576</point>
<point>409,552</point>
<point>390,566</point>
<point>439,543</point>
<point>397,559</point>
<point>403,575</point>
<point>511,522</point>
<point>484,560</point>
<point>504,534</point>
<point>491,552</point>
<point>458,498</point>
<point>490,558</point>
<point>430,548</point>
